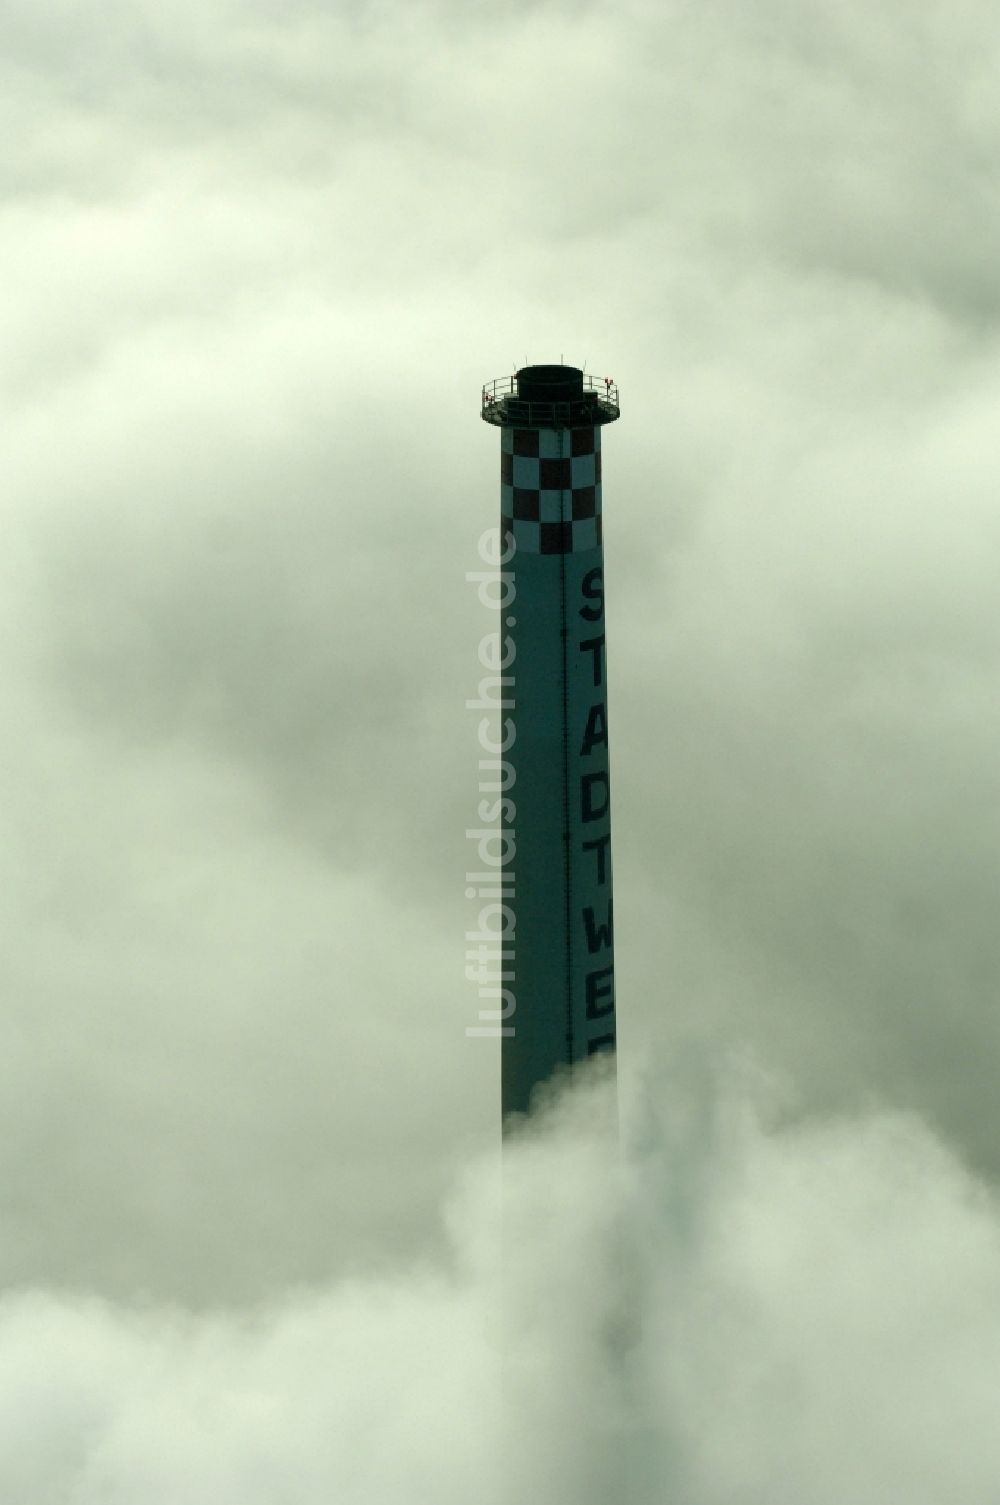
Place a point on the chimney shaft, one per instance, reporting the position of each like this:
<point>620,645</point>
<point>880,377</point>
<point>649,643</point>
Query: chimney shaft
<point>558,861</point>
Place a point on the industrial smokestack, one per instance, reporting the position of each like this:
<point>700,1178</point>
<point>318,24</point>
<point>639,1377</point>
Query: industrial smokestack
<point>554,724</point>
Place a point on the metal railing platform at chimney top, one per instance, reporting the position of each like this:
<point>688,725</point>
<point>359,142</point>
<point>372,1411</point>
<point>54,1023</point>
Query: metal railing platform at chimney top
<point>598,403</point>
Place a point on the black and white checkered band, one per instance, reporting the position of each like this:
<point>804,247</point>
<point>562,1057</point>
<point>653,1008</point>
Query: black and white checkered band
<point>550,489</point>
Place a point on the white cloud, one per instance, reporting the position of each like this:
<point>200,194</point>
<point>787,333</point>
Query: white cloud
<point>256,262</point>
<point>731,1311</point>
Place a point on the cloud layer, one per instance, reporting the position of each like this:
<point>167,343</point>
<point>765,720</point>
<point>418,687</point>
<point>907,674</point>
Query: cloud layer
<point>728,1311</point>
<point>256,261</point>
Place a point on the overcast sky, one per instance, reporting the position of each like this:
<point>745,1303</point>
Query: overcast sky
<point>256,260</point>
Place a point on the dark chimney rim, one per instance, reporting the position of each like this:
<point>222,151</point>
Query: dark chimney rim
<point>550,397</point>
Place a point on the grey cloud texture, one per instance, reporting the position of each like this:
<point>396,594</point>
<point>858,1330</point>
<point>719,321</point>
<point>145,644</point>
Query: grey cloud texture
<point>255,263</point>
<point>732,1310</point>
